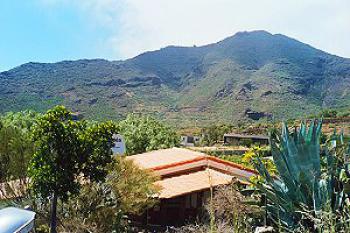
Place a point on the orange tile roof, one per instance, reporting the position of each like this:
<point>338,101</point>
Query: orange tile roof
<point>192,182</point>
<point>159,158</point>
<point>178,158</point>
<point>178,168</point>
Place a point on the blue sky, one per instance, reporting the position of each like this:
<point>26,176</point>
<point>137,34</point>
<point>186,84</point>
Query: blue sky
<point>31,31</point>
<point>55,30</point>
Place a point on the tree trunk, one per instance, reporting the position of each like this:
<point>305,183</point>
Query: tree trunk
<point>53,222</point>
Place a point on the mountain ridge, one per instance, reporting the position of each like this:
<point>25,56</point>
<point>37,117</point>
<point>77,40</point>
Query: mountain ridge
<point>269,74</point>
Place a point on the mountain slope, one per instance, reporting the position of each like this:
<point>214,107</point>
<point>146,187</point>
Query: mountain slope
<point>251,74</point>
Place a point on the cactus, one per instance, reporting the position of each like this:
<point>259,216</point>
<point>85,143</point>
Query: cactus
<point>309,181</point>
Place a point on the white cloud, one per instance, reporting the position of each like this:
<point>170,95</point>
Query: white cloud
<point>142,25</point>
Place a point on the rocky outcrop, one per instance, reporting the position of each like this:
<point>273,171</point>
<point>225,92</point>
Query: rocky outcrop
<point>92,101</point>
<point>227,90</point>
<point>245,93</point>
<point>110,82</point>
<point>254,115</point>
<point>116,94</point>
<point>143,81</point>
<point>266,93</point>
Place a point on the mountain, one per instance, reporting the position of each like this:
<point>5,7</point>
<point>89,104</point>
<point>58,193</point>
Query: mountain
<point>249,75</point>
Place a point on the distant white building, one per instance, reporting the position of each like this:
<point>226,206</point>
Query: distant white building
<point>187,140</point>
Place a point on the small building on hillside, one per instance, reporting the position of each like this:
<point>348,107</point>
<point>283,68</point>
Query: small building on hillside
<point>186,180</point>
<point>245,140</point>
<point>189,140</point>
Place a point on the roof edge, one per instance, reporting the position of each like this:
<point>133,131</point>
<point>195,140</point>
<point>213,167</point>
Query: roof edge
<point>212,158</point>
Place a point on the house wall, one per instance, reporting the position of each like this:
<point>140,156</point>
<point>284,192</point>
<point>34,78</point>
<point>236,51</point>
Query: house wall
<point>175,211</point>
<point>189,140</point>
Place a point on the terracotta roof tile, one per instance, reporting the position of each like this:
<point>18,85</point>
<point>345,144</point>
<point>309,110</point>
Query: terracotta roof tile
<point>192,182</point>
<point>158,158</point>
<point>178,169</point>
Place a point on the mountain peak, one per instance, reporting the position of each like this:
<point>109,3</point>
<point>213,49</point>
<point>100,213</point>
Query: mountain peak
<point>268,73</point>
<point>254,32</point>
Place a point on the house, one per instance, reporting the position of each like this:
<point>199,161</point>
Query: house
<point>186,179</point>
<point>188,140</point>
<point>245,140</point>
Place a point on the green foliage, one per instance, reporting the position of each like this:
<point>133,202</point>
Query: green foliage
<point>261,153</point>
<point>235,159</point>
<point>23,120</point>
<point>134,187</point>
<point>214,133</point>
<point>247,142</point>
<point>102,207</point>
<point>329,113</point>
<point>308,184</point>
<point>145,134</point>
<point>345,114</point>
<point>66,149</point>
<point>247,159</point>
<point>16,145</point>
<point>66,152</point>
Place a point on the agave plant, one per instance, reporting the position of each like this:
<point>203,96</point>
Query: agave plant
<point>310,180</point>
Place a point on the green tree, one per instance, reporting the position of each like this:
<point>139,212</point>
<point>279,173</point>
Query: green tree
<point>67,153</point>
<point>5,138</point>
<point>101,207</point>
<point>215,133</point>
<point>133,186</point>
<point>329,113</point>
<point>145,134</point>
<point>16,145</point>
<point>23,120</point>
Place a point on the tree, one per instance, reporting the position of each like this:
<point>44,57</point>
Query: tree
<point>329,113</point>
<point>16,145</point>
<point>145,133</point>
<point>100,207</point>
<point>215,133</point>
<point>133,186</point>
<point>23,120</point>
<point>67,153</point>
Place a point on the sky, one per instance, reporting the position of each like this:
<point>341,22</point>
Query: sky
<point>55,30</point>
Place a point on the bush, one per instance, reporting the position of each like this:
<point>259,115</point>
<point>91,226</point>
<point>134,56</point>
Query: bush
<point>329,113</point>
<point>104,207</point>
<point>145,134</point>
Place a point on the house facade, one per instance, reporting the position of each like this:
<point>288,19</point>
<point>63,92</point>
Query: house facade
<point>188,140</point>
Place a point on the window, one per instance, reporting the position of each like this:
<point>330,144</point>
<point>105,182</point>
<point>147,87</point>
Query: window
<point>190,139</point>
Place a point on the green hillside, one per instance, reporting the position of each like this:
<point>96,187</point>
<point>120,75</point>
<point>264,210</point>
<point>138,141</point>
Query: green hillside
<point>249,75</point>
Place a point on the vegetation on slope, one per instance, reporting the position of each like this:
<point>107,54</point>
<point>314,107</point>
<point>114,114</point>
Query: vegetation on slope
<point>249,72</point>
